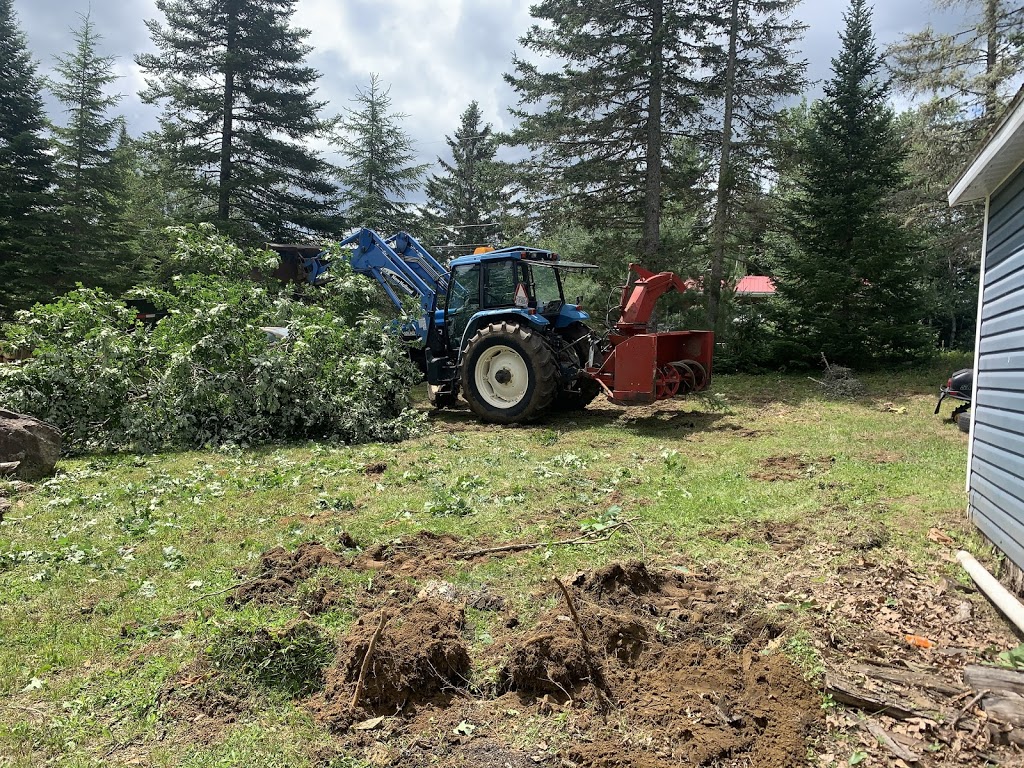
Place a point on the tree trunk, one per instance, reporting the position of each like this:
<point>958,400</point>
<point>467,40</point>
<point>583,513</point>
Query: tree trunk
<point>227,126</point>
<point>991,56</point>
<point>652,188</point>
<point>718,232</point>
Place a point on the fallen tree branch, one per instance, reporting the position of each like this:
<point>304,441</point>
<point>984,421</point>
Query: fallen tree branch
<point>365,667</point>
<point>218,592</point>
<point>585,539</point>
<point>969,706</point>
<point>595,671</point>
<point>887,741</point>
<point>846,692</point>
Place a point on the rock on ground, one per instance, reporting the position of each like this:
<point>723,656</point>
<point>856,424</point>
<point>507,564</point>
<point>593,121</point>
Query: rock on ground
<point>32,444</point>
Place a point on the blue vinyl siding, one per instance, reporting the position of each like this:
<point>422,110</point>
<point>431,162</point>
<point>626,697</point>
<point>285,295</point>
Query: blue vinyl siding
<point>997,467</point>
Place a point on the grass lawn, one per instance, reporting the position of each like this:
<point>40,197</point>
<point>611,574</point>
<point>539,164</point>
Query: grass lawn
<point>115,574</point>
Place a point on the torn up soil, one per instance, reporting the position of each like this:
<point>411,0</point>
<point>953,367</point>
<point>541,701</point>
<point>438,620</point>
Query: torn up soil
<point>786,468</point>
<point>419,654</point>
<point>279,572</point>
<point>672,673</point>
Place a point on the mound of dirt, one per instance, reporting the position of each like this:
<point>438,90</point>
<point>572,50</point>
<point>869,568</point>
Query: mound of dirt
<point>698,704</point>
<point>420,654</point>
<point>425,554</point>
<point>279,572</point>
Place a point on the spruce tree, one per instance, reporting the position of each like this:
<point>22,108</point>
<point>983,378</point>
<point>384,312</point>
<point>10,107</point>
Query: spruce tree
<point>852,273</point>
<point>626,81</point>
<point>239,109</point>
<point>755,67</point>
<point>89,191</point>
<point>26,174</point>
<point>380,172</point>
<point>959,81</point>
<point>463,200</point>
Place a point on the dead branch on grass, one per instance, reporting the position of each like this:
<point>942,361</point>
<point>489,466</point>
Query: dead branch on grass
<point>595,670</point>
<point>365,667</point>
<point>585,540</point>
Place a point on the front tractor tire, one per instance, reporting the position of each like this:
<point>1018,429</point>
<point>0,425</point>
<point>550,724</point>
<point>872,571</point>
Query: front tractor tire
<point>508,373</point>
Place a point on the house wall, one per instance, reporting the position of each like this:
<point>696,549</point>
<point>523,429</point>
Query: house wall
<point>996,481</point>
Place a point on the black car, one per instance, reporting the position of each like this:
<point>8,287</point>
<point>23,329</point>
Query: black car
<point>959,386</point>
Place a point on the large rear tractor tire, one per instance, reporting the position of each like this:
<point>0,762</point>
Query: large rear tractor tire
<point>508,374</point>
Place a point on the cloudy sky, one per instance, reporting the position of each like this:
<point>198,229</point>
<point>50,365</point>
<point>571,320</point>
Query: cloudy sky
<point>437,55</point>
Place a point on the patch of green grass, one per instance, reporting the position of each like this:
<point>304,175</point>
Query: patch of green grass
<point>112,574</point>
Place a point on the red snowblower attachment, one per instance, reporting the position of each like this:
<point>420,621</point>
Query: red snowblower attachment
<point>644,367</point>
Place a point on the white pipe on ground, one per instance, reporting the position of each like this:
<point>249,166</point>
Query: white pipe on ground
<point>996,592</point>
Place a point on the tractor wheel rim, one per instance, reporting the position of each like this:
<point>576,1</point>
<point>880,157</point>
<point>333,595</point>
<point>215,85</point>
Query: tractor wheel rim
<point>508,389</point>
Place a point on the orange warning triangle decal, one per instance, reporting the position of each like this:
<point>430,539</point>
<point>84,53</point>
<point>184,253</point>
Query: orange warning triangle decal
<point>521,299</point>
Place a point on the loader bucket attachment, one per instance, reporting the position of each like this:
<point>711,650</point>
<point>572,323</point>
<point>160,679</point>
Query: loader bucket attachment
<point>646,367</point>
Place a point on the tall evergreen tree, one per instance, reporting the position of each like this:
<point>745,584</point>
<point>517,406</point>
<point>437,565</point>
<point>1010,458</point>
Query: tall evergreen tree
<point>755,67</point>
<point>89,188</point>
<point>852,275</point>
<point>959,82</point>
<point>626,82</point>
<point>380,170</point>
<point>239,105</point>
<point>464,198</point>
<point>26,174</point>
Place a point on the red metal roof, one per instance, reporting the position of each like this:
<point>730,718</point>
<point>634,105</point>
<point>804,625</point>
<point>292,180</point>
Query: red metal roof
<point>755,285</point>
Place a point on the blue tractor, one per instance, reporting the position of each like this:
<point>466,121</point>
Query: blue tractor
<point>496,328</point>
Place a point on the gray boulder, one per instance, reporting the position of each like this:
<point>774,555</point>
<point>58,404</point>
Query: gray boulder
<point>30,444</point>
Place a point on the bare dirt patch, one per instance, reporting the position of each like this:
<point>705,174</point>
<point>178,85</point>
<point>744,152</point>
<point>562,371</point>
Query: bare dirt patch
<point>779,535</point>
<point>785,468</point>
<point>656,685</point>
<point>279,572</point>
<point>420,653</point>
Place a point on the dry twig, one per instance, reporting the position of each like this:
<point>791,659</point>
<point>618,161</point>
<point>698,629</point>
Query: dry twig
<point>585,539</point>
<point>365,667</point>
<point>595,671</point>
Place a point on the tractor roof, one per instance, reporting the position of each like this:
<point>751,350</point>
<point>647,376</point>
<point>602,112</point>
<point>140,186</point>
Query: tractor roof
<point>521,253</point>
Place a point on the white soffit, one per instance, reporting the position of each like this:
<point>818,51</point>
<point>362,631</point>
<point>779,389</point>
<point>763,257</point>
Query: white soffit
<point>1000,155</point>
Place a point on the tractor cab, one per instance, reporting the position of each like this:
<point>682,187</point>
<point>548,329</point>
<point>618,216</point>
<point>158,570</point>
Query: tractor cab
<point>522,281</point>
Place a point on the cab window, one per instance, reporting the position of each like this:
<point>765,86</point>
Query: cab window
<point>463,299</point>
<point>545,288</point>
<point>500,281</point>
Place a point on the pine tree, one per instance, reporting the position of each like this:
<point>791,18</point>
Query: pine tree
<point>89,189</point>
<point>852,276</point>
<point>26,174</point>
<point>626,82</point>
<point>464,198</point>
<point>380,171</point>
<point>959,82</point>
<point>239,109</point>
<point>755,68</point>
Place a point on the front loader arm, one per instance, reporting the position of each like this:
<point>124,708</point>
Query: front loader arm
<point>398,264</point>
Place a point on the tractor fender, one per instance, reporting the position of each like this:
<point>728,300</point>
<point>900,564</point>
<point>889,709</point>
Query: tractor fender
<point>570,315</point>
<point>537,322</point>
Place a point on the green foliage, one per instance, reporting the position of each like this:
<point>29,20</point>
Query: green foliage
<point>960,80</point>
<point>598,122</point>
<point>850,274</point>
<point>90,191</point>
<point>380,154</point>
<point>206,374</point>
<point>291,659</point>
<point>239,109</point>
<point>463,199</point>
<point>26,174</point>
